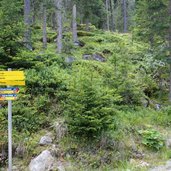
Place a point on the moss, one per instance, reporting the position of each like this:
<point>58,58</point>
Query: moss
<point>84,33</point>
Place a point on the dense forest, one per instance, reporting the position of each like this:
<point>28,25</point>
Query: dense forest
<point>98,84</point>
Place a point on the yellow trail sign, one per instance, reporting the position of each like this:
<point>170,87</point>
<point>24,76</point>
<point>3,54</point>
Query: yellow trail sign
<point>21,77</point>
<point>11,78</point>
<point>11,83</point>
<point>11,73</point>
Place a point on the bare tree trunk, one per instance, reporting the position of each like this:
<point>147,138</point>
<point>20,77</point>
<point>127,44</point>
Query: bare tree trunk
<point>74,24</point>
<point>58,4</point>
<point>44,27</point>
<point>170,49</point>
<point>53,20</point>
<point>112,15</point>
<point>107,15</point>
<point>33,12</point>
<point>125,16</point>
<point>87,25</point>
<point>27,22</point>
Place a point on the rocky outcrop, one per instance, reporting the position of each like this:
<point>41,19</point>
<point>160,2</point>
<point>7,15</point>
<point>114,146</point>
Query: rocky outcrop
<point>43,162</point>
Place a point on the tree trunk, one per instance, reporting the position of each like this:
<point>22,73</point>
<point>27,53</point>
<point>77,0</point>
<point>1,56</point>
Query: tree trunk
<point>53,20</point>
<point>113,15</point>
<point>107,15</point>
<point>74,24</point>
<point>87,25</point>
<point>170,48</point>
<point>44,27</point>
<point>58,4</point>
<point>27,22</point>
<point>125,16</point>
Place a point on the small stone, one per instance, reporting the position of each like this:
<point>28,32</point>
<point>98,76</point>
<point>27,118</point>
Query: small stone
<point>69,60</point>
<point>99,57</point>
<point>87,57</point>
<point>45,140</point>
<point>79,43</point>
<point>20,151</point>
<point>143,164</point>
<point>60,130</point>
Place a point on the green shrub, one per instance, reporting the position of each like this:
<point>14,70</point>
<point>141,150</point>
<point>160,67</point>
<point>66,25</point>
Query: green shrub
<point>152,139</point>
<point>84,33</point>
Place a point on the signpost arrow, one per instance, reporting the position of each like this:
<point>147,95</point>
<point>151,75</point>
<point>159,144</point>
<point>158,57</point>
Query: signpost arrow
<point>8,96</point>
<point>9,90</point>
<point>9,77</point>
<point>12,83</point>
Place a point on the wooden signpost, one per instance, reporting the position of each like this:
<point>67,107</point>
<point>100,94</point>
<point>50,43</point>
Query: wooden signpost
<point>10,78</point>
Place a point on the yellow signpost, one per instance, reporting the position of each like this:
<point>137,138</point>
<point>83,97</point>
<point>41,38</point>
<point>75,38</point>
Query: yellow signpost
<point>10,78</point>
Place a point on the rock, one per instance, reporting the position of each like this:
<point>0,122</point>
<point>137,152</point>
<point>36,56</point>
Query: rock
<point>60,166</point>
<point>20,151</point>
<point>45,140</point>
<point>69,59</point>
<point>79,43</point>
<point>96,57</point>
<point>158,106</point>
<point>168,142</point>
<point>143,164</point>
<point>43,162</point>
<point>137,154</point>
<point>87,57</point>
<point>99,57</point>
<point>60,129</point>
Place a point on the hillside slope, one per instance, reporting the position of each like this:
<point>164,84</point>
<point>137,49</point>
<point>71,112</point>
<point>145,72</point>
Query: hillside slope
<point>99,102</point>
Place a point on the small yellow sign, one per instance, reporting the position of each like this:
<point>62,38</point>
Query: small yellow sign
<point>12,78</point>
<point>21,77</point>
<point>11,83</point>
<point>11,73</point>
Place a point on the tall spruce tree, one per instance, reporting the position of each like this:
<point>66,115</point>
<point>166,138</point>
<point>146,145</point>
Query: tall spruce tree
<point>11,24</point>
